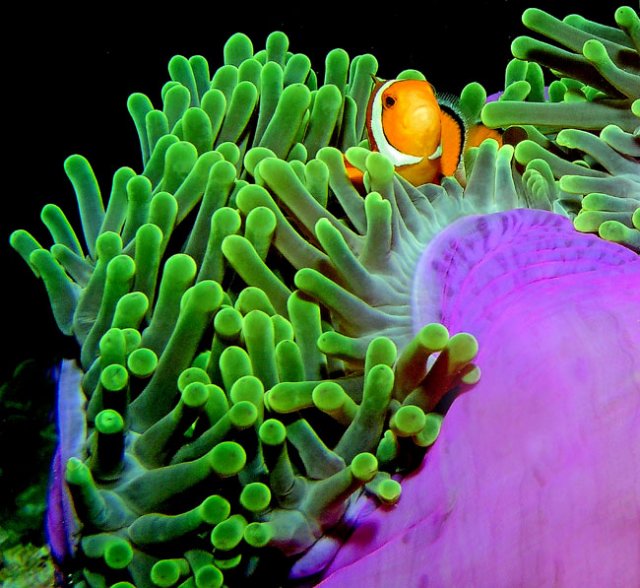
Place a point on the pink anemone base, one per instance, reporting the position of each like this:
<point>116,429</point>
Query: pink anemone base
<point>535,478</point>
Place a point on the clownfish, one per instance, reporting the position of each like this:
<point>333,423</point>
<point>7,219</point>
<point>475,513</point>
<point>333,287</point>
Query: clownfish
<point>423,135</point>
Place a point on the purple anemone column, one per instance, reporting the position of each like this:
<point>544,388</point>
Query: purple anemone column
<point>535,478</point>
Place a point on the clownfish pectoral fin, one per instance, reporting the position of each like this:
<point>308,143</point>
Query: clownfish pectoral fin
<point>437,153</point>
<point>451,141</point>
<point>356,177</point>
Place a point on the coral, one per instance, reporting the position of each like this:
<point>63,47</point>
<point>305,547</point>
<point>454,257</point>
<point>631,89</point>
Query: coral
<point>26,403</point>
<point>592,178</point>
<point>26,566</point>
<point>260,345</point>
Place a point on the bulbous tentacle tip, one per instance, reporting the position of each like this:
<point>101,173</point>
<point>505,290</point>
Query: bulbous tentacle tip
<point>227,458</point>
<point>619,233</point>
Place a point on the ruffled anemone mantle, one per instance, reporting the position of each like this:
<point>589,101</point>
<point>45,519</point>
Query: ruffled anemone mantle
<point>534,480</point>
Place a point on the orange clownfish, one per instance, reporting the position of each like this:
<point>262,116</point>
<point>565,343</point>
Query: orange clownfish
<point>424,136</point>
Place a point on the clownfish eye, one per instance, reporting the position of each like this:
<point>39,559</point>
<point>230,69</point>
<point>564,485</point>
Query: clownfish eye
<point>389,101</point>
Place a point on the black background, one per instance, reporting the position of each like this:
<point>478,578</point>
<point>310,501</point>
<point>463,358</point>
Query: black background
<point>67,79</point>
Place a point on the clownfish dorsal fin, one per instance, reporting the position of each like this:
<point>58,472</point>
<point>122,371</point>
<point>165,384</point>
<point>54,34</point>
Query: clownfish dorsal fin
<point>377,136</point>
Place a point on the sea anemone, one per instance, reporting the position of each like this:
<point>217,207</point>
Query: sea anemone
<point>558,425</point>
<point>262,347</point>
<point>596,90</point>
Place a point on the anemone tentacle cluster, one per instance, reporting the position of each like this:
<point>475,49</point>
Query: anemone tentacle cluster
<point>252,351</point>
<point>205,365</point>
<point>592,178</point>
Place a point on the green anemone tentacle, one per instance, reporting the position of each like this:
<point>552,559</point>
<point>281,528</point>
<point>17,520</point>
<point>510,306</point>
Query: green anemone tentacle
<point>585,165</point>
